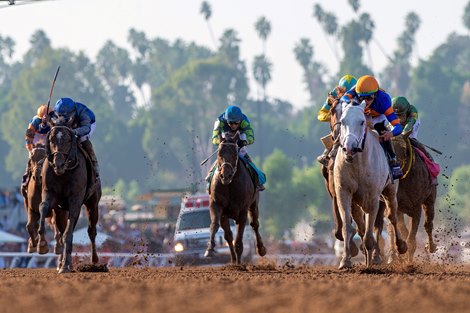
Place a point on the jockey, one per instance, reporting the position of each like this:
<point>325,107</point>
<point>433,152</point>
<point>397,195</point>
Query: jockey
<point>233,120</point>
<point>345,83</point>
<point>408,115</point>
<point>379,108</point>
<point>36,134</point>
<point>82,120</point>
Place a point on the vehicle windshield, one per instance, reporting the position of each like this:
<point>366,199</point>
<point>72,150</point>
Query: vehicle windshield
<point>194,220</point>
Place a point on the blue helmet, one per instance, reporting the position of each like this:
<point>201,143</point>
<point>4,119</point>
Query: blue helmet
<point>65,107</point>
<point>233,114</point>
<point>347,81</point>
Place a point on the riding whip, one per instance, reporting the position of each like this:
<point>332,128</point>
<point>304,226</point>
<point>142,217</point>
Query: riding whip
<point>52,88</point>
<point>207,159</point>
<point>431,148</point>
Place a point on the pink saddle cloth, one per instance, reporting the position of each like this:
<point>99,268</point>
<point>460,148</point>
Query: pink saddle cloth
<point>433,168</point>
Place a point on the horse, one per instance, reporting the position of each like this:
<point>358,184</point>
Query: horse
<point>416,193</point>
<point>361,178</point>
<point>327,172</point>
<point>64,177</point>
<point>233,194</point>
<point>32,199</point>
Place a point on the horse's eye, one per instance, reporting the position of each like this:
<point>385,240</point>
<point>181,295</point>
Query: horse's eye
<point>362,123</point>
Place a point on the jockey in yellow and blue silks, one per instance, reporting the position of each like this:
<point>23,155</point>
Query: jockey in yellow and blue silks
<point>379,108</point>
<point>82,120</point>
<point>233,120</point>
<point>345,83</point>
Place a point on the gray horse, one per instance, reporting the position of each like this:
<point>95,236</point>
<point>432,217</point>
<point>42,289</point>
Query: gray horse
<point>65,177</point>
<point>361,178</point>
<point>233,194</point>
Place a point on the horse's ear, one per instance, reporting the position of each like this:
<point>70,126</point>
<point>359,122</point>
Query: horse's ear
<point>363,105</point>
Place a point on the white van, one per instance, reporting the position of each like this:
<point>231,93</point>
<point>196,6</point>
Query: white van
<point>192,234</point>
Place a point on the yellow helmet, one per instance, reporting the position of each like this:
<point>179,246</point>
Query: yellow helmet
<point>366,86</point>
<point>42,111</point>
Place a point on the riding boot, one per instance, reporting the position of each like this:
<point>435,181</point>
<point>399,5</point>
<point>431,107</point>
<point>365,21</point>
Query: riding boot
<point>91,153</point>
<point>324,157</point>
<point>259,187</point>
<point>416,143</point>
<point>394,165</point>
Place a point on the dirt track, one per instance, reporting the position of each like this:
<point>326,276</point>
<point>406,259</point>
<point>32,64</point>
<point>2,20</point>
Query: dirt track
<point>261,288</point>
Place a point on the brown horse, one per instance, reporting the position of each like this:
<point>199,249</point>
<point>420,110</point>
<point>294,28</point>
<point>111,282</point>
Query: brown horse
<point>233,194</point>
<point>65,180</point>
<point>32,199</point>
<point>416,193</point>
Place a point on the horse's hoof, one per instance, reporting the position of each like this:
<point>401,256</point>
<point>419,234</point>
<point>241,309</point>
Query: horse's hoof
<point>353,249</point>
<point>94,259</point>
<point>393,259</point>
<point>64,270</point>
<point>376,259</point>
<point>345,264</point>
<point>42,248</point>
<point>431,247</point>
<point>401,246</point>
<point>262,251</point>
<point>31,246</point>
<point>209,253</point>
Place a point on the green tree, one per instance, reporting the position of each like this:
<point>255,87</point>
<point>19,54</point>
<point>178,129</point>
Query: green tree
<point>263,28</point>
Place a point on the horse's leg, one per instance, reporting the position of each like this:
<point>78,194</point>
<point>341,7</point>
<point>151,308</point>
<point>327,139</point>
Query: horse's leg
<point>48,202</point>
<point>428,207</point>
<point>241,223</point>
<point>411,240</point>
<point>93,215</point>
<point>215,212</point>
<point>254,222</point>
<point>369,240</point>
<point>329,185</point>
<point>32,228</point>
<point>60,223</point>
<point>74,206</point>
<point>389,196</point>
<point>378,227</point>
<point>344,203</point>
<point>358,217</point>
<point>228,235</point>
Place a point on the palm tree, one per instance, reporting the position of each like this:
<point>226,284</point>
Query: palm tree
<point>355,5</point>
<point>466,16</point>
<point>303,54</point>
<point>329,24</point>
<point>262,72</point>
<point>206,11</point>
<point>263,27</point>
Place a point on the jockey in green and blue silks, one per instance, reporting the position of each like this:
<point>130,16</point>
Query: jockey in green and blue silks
<point>233,120</point>
<point>82,120</point>
<point>379,108</point>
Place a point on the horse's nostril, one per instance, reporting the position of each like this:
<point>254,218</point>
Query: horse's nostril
<point>344,149</point>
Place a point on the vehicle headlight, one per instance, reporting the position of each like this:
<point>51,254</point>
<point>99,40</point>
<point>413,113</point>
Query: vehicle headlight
<point>179,247</point>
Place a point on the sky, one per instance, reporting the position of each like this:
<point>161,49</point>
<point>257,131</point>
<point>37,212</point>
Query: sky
<point>87,24</point>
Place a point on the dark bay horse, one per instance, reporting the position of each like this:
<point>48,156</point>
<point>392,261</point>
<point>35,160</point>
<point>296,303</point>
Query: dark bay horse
<point>233,195</point>
<point>65,179</point>
<point>32,200</point>
<point>416,194</point>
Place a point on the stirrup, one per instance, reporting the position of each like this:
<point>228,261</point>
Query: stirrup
<point>396,172</point>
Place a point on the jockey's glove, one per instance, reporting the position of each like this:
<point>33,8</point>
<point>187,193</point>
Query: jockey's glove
<point>75,132</point>
<point>242,143</point>
<point>345,99</point>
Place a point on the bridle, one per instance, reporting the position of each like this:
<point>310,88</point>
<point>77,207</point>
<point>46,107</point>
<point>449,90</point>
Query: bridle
<point>67,154</point>
<point>360,141</point>
<point>233,167</point>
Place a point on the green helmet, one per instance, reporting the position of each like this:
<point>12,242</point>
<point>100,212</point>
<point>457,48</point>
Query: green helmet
<point>400,105</point>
